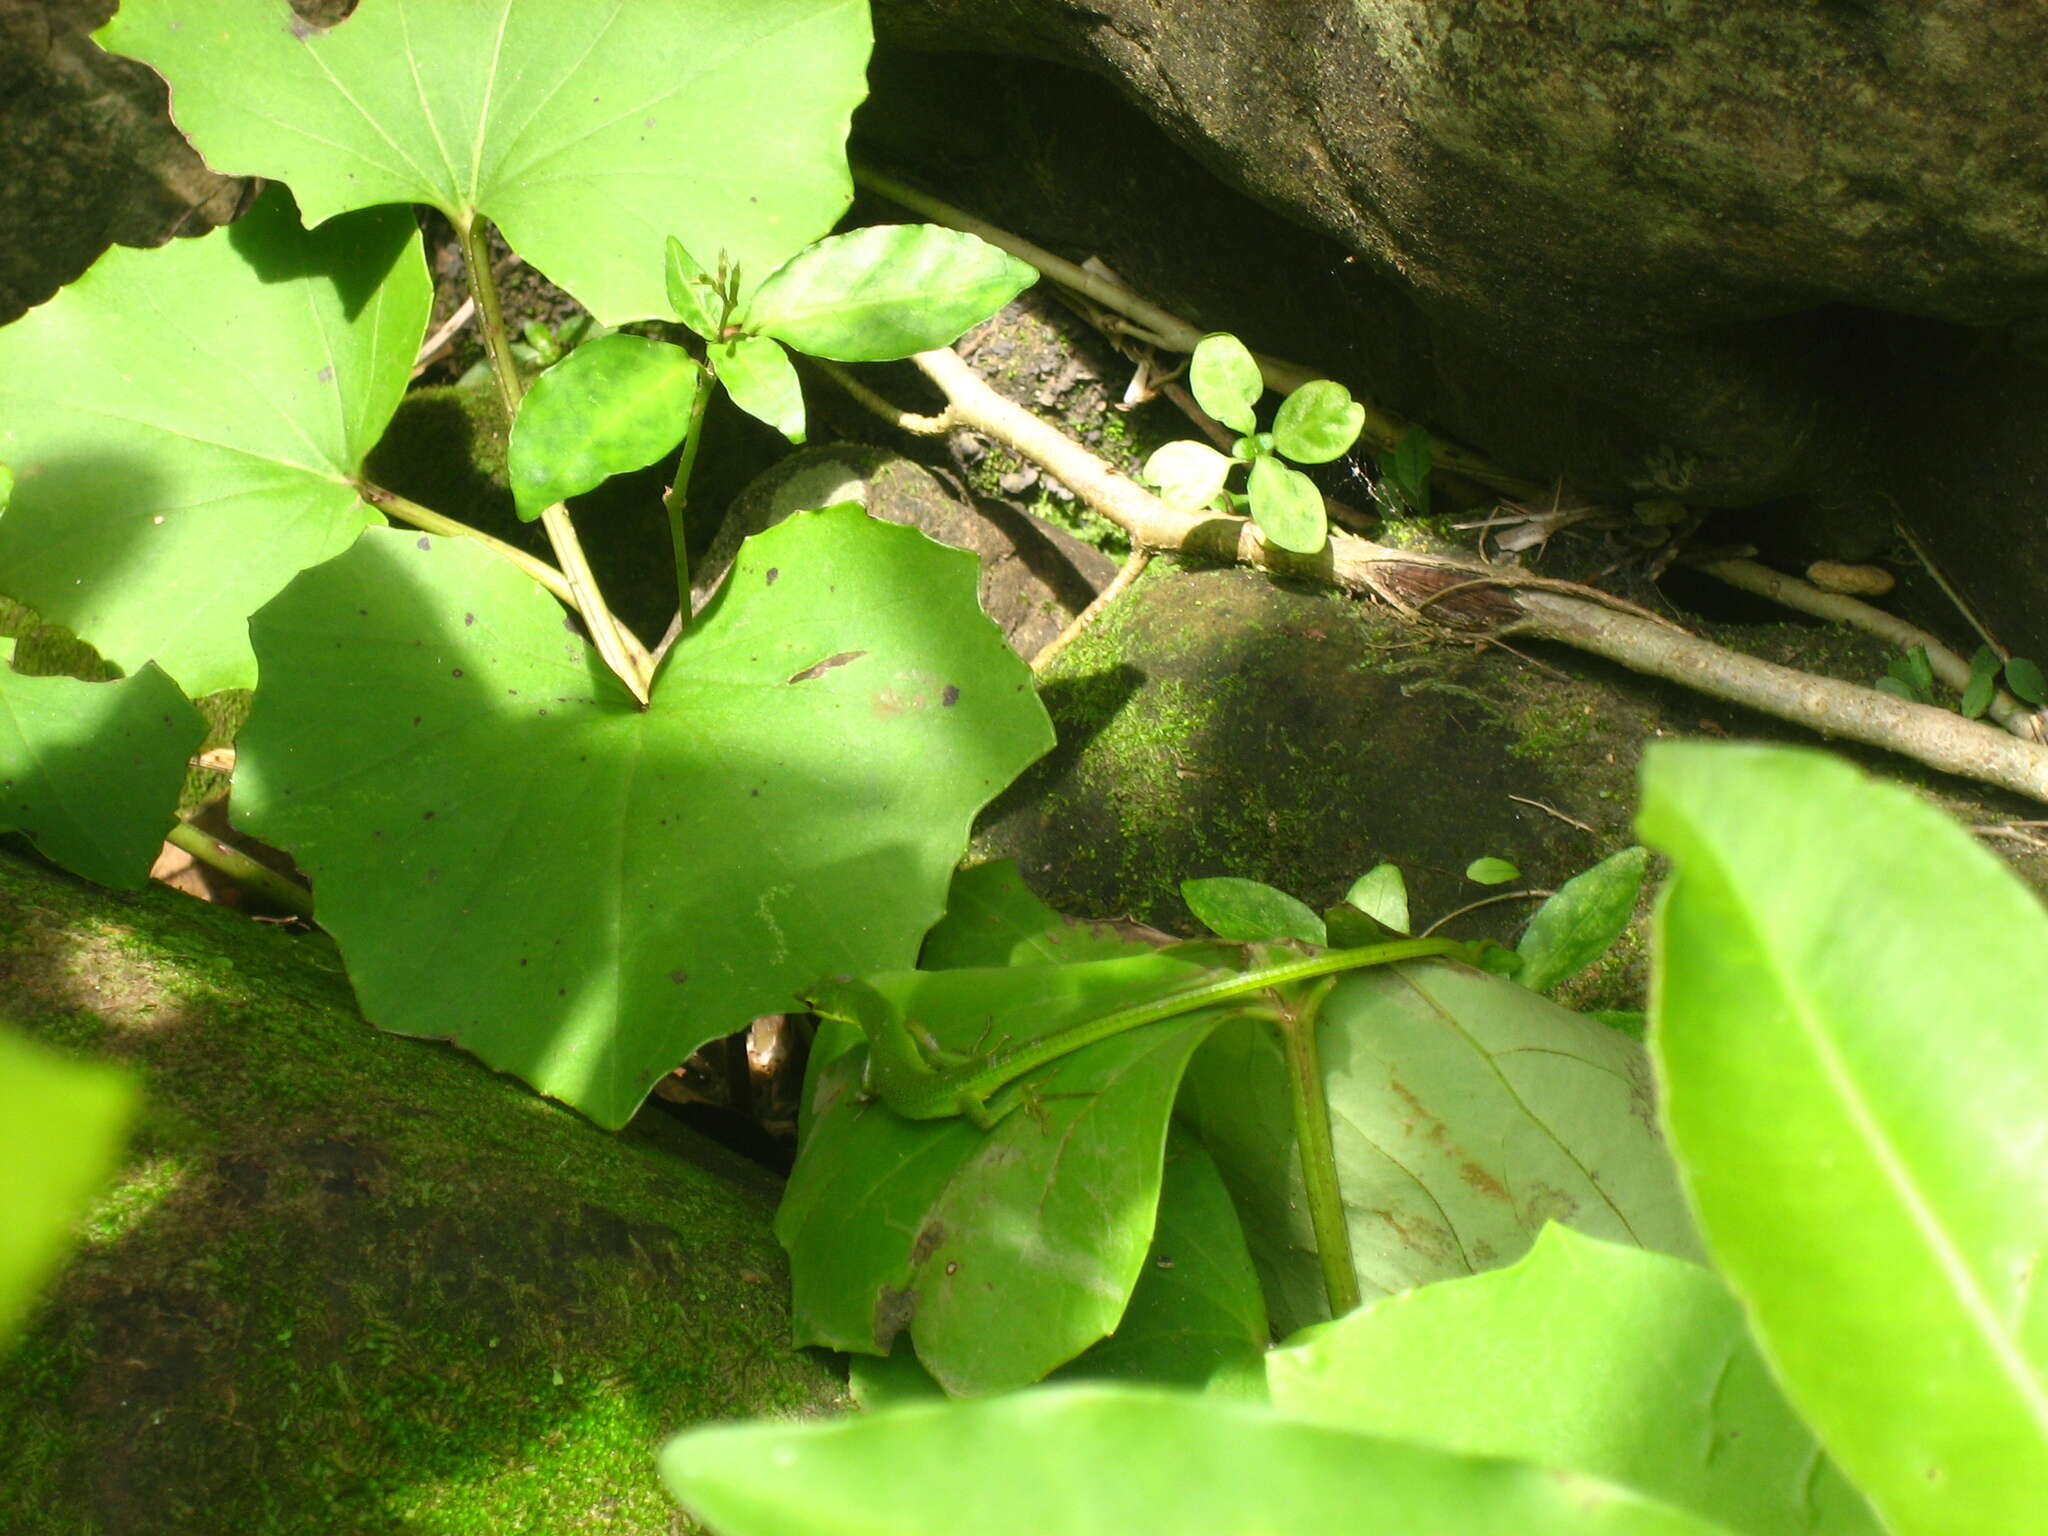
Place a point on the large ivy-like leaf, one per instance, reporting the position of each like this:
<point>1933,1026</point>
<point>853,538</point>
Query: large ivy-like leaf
<point>185,424</point>
<point>1004,1252</point>
<point>1590,1357</point>
<point>1466,1110</point>
<point>1850,1016</point>
<point>514,856</point>
<point>1124,1461</point>
<point>61,1125</point>
<point>90,772</point>
<point>587,133</point>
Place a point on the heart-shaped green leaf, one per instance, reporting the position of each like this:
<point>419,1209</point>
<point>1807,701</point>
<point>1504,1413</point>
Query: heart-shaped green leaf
<point>1565,1359</point>
<point>587,136</point>
<point>185,425</point>
<point>1287,507</point>
<point>885,292</point>
<point>1124,1461</point>
<point>612,405</point>
<point>61,1126</point>
<point>582,892</point>
<point>1318,422</point>
<point>762,381</point>
<point>1467,1111</point>
<point>90,772</point>
<point>1850,1019</point>
<point>1575,927</point>
<point>1187,474</point>
<point>1225,379</point>
<point>1251,911</point>
<point>1004,1252</point>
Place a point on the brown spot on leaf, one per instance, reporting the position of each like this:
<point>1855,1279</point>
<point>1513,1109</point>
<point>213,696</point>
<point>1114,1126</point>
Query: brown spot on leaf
<point>819,669</point>
<point>425,542</point>
<point>774,572</point>
<point>950,697</point>
<point>929,1236</point>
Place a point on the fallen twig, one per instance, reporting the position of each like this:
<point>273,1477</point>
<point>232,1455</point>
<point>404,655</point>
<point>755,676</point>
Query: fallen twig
<point>1473,598</point>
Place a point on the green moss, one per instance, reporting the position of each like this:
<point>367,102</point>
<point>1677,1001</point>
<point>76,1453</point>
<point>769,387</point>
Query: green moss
<point>349,1282</point>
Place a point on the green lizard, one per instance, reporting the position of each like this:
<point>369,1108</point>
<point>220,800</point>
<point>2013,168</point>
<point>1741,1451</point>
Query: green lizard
<point>920,1081</point>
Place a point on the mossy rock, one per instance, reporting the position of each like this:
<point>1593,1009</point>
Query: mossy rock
<point>1219,722</point>
<point>355,1283</point>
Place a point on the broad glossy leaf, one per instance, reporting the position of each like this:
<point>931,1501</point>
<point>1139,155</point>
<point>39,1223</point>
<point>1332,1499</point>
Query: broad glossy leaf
<point>185,425</point>
<point>1224,377</point>
<point>90,772</point>
<point>587,136</point>
<point>992,918</point>
<point>1188,475</point>
<point>1317,422</point>
<point>1122,1461</point>
<point>62,1122</point>
<point>1575,927</point>
<point>691,292</point>
<point>1382,894</point>
<point>513,856</point>
<point>1197,1317</point>
<point>1850,1018</point>
<point>1589,1357</point>
<point>1287,507</point>
<point>1251,911</point>
<point>886,291</point>
<point>762,381</point>
<point>1004,1252</point>
<point>1467,1111</point>
<point>612,405</point>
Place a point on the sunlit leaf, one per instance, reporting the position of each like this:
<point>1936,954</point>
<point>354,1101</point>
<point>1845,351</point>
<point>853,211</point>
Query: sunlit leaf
<point>1491,871</point>
<point>1585,1356</point>
<point>1251,911</point>
<point>587,135</point>
<point>185,426</point>
<point>425,711</point>
<point>1576,926</point>
<point>1188,475</point>
<point>1287,507</point>
<point>614,404</point>
<point>1850,1018</point>
<point>90,772</point>
<point>762,381</point>
<point>1382,895</point>
<point>1224,377</point>
<point>691,293</point>
<point>886,291</point>
<point>62,1123</point>
<point>1317,422</point>
<point>1124,1461</point>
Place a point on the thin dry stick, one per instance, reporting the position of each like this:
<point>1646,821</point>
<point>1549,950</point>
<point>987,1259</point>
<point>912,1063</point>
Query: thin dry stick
<point>1890,628</point>
<point>1133,568</point>
<point>1508,604</point>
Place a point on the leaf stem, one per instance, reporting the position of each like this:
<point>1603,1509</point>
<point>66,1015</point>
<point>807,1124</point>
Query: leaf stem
<point>626,656</point>
<point>243,870</point>
<point>429,521</point>
<point>1297,1022</point>
<point>678,498</point>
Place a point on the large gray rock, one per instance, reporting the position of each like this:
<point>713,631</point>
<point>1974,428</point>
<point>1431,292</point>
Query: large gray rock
<point>1663,250</point>
<point>88,156</point>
